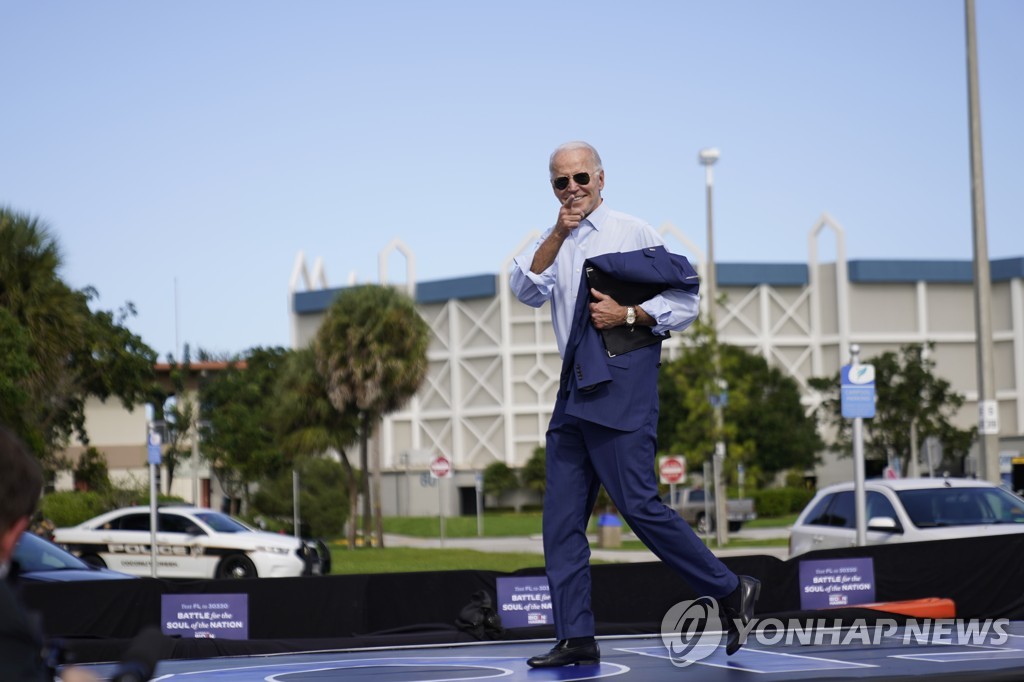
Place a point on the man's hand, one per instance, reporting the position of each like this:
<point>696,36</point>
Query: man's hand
<point>605,312</point>
<point>569,218</point>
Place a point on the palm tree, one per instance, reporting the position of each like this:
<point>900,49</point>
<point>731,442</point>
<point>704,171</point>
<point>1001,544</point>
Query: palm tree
<point>372,352</point>
<point>310,425</point>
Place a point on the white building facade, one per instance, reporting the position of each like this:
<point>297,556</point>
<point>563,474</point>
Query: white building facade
<point>494,365</point>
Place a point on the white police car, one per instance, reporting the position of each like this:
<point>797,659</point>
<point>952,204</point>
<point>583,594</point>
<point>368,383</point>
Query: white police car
<point>191,543</point>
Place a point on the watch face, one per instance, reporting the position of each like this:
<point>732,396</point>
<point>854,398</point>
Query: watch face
<point>630,315</point>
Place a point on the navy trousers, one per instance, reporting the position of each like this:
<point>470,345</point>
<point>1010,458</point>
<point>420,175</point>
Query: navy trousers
<point>582,455</point>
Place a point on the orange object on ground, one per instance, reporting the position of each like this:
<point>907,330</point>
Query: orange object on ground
<point>930,607</point>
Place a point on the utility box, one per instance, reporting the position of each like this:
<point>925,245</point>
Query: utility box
<point>609,531</point>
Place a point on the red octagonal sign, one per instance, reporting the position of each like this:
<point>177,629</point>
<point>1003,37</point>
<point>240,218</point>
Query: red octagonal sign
<point>440,467</point>
<point>672,469</point>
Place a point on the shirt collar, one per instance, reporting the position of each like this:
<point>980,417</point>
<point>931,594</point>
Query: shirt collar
<point>599,216</point>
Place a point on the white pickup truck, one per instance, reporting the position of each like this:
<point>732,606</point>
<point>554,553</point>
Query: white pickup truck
<point>689,502</point>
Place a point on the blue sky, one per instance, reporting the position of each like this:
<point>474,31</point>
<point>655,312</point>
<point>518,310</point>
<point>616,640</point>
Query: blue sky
<point>207,143</point>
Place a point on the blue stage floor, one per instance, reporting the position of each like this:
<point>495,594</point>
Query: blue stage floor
<point>835,657</point>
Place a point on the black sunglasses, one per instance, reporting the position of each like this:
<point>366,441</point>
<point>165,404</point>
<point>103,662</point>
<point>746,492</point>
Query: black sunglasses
<point>579,178</point>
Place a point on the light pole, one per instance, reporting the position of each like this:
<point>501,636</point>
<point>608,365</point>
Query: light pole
<point>707,158</point>
<point>988,406</point>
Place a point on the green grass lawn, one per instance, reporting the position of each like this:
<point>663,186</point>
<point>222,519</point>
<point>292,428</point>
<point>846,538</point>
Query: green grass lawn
<point>408,559</point>
<point>496,525</point>
<point>732,544</point>
<point>507,524</point>
<point>773,522</point>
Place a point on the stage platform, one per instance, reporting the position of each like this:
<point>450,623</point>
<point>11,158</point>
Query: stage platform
<point>403,627</point>
<point>896,656</point>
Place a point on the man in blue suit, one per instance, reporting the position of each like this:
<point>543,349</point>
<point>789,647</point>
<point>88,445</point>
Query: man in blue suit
<point>604,424</point>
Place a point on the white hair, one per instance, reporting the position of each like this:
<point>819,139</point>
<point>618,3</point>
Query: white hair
<point>573,146</point>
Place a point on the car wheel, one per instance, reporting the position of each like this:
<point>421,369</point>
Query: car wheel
<point>236,566</point>
<point>734,526</point>
<point>702,524</point>
<point>93,560</point>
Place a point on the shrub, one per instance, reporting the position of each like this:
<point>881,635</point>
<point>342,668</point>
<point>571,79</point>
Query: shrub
<point>323,498</point>
<point>72,507</point>
<point>781,501</point>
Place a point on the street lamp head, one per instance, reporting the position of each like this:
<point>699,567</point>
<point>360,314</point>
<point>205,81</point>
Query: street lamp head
<point>707,157</point>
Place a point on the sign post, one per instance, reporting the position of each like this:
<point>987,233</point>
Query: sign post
<point>440,468</point>
<point>479,504</point>
<point>707,504</point>
<point>857,398</point>
<point>153,442</point>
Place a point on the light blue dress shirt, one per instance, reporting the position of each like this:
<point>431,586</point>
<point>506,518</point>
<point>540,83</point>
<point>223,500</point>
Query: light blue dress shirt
<point>603,231</point>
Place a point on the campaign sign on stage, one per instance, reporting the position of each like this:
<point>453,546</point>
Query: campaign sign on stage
<point>827,583</point>
<point>205,616</point>
<point>524,601</point>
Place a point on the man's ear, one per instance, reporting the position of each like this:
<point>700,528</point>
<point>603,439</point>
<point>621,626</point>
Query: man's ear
<point>9,538</point>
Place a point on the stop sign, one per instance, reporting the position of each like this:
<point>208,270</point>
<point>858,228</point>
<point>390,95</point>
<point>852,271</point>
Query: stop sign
<point>672,469</point>
<point>440,467</point>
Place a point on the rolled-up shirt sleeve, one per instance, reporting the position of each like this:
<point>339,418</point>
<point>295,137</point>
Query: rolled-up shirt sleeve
<point>673,310</point>
<point>529,287</point>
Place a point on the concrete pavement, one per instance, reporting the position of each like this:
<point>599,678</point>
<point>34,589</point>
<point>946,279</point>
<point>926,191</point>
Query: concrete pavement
<point>534,544</point>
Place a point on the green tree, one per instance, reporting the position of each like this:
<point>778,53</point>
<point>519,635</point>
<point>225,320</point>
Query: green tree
<point>534,473</point>
<point>321,495</point>
<point>238,436</point>
<point>92,472</point>
<point>16,368</point>
<point>59,352</point>
<point>310,425</point>
<point>764,422</point>
<point>770,417</point>
<point>686,417</point>
<point>371,349</point>
<point>908,396</point>
<point>499,478</point>
<point>179,410</point>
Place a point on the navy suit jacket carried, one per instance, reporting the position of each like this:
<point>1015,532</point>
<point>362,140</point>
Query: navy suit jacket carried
<point>620,392</point>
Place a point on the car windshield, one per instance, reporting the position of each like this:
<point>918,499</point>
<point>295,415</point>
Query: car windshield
<point>944,507</point>
<point>36,554</point>
<point>222,523</point>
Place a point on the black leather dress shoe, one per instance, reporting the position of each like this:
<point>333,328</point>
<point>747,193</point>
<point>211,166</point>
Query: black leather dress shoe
<point>563,654</point>
<point>748,591</point>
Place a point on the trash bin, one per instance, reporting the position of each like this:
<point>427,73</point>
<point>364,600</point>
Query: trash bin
<point>609,531</point>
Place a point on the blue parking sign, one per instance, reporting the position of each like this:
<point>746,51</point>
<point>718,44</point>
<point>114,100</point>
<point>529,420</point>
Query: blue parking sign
<point>153,447</point>
<point>857,391</point>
